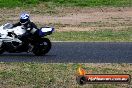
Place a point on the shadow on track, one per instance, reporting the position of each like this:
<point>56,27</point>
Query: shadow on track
<point>24,57</point>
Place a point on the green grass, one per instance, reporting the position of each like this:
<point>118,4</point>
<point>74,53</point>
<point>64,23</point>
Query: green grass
<point>94,36</point>
<point>39,75</point>
<point>80,3</point>
<point>94,3</point>
<point>17,3</point>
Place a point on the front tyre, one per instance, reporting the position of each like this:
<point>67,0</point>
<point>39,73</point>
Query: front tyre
<point>43,47</point>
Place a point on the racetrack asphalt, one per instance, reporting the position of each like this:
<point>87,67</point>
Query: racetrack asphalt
<point>78,52</point>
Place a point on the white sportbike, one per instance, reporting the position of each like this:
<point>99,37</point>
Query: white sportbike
<point>9,40</point>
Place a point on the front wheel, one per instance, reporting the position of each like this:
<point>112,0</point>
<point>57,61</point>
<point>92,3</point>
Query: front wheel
<point>43,47</point>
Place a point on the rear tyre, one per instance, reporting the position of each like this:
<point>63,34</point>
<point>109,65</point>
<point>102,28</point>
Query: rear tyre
<point>2,49</point>
<point>43,47</point>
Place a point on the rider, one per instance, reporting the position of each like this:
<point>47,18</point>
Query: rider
<point>28,26</point>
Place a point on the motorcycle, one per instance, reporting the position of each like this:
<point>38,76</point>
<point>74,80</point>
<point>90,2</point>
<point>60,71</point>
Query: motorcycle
<point>38,45</point>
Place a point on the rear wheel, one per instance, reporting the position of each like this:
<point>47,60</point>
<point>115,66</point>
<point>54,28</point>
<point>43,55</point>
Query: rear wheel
<point>2,49</point>
<point>43,47</point>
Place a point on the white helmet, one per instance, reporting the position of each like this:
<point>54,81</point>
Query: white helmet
<point>24,18</point>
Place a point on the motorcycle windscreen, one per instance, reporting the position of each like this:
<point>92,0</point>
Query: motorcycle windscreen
<point>45,31</point>
<point>7,26</point>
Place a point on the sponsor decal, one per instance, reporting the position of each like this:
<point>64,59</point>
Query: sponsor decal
<point>84,78</point>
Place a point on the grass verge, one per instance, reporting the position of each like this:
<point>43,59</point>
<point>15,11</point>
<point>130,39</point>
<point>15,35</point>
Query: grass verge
<point>17,3</point>
<point>93,3</point>
<point>39,75</point>
<point>72,3</point>
<point>94,36</point>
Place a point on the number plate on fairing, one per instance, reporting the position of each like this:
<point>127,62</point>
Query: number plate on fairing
<point>46,31</point>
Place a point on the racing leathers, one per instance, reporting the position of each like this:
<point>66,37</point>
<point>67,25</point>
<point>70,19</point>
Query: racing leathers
<point>30,29</point>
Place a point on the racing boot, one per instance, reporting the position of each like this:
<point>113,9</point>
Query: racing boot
<point>22,48</point>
